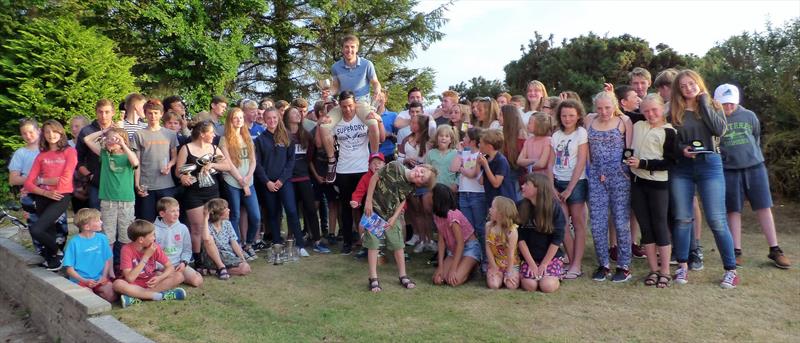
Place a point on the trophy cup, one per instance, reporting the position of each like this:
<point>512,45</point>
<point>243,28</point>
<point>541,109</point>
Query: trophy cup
<point>277,251</point>
<point>324,86</point>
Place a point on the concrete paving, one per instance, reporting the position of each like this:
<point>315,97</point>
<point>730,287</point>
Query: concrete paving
<point>15,324</point>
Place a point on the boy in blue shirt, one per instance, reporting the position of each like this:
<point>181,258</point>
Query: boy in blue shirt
<point>496,170</point>
<point>87,256</point>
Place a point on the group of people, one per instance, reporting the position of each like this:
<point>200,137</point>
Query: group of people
<point>503,182</point>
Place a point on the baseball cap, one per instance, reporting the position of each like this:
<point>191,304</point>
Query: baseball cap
<point>377,155</point>
<point>727,94</point>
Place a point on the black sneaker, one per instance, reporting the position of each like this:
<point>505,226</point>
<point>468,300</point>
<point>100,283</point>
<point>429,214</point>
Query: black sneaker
<point>621,275</point>
<point>601,274</point>
<point>346,250</point>
<point>361,253</point>
<point>260,245</point>
<point>53,263</point>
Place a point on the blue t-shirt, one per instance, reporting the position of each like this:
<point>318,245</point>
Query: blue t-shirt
<point>256,130</point>
<point>387,147</point>
<point>499,166</point>
<point>87,256</point>
<point>22,160</point>
<point>354,78</point>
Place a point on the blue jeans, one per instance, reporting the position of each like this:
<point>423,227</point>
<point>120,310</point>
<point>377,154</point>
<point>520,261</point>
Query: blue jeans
<point>146,206</point>
<point>236,199</point>
<point>283,197</point>
<point>473,206</point>
<point>704,175</point>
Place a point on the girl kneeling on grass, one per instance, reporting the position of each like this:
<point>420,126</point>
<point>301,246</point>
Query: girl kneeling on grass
<point>456,239</point>
<point>541,233</point>
<point>501,245</point>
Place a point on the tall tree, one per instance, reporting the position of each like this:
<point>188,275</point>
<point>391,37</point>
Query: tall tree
<point>478,87</point>
<point>191,47</point>
<point>297,41</point>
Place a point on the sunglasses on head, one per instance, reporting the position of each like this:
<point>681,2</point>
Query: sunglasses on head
<point>485,99</point>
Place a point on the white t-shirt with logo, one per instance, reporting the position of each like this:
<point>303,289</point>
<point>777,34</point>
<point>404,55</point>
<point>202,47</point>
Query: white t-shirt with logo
<point>566,149</point>
<point>353,139</point>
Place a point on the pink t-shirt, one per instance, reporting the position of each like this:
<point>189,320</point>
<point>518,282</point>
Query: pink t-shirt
<point>50,164</point>
<point>443,225</point>
<point>534,147</point>
<point>130,258</point>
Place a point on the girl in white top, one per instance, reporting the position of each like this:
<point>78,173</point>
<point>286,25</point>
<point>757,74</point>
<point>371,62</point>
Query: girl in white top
<point>568,156</point>
<point>411,151</point>
<point>471,200</point>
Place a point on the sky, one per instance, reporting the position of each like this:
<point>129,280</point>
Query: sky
<point>483,36</point>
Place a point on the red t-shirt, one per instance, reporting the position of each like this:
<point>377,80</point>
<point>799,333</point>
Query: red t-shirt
<point>130,258</point>
<point>49,164</point>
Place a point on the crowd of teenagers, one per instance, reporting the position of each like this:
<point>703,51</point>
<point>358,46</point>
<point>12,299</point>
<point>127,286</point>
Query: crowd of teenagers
<point>494,186</point>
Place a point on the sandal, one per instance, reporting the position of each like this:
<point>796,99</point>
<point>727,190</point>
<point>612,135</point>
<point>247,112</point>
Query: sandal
<point>223,274</point>
<point>651,279</point>
<point>664,281</point>
<point>407,283</point>
<point>572,275</point>
<point>374,285</point>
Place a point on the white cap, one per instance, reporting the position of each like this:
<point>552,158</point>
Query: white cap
<point>727,94</point>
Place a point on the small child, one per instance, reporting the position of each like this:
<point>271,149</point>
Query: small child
<point>88,256</point>
<point>173,237</point>
<point>376,162</point>
<point>443,157</point>
<point>387,194</point>
<point>221,229</point>
<point>535,154</point>
<point>456,239</point>
<point>496,169</point>
<point>140,279</point>
<point>501,245</point>
<point>117,164</point>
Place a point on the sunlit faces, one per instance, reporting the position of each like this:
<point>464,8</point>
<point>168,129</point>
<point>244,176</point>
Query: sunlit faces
<point>218,109</point>
<point>237,119</point>
<point>250,114</point>
<point>29,133</point>
<point>501,101</point>
<point>95,225</point>
<point>728,108</point>
<point>604,108</point>
<point>631,101</point>
<point>688,86</point>
<point>51,136</point>
<point>153,116</point>
<point>415,96</point>
<point>640,85</point>
<point>173,124</point>
<point>349,50</point>
<point>170,215</point>
<point>444,140</point>
<point>534,94</point>
<point>208,135</point>
<point>294,116</point>
<point>529,190</point>
<point>653,112</point>
<point>569,118</point>
<point>420,176</point>
<point>271,120</point>
<point>348,107</point>
<point>455,114</point>
<point>376,164</point>
<point>105,115</point>
<point>447,103</point>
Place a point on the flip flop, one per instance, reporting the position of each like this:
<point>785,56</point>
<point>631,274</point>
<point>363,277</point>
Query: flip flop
<point>572,275</point>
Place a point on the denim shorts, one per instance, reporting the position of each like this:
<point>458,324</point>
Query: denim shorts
<point>579,194</point>
<point>751,183</point>
<point>472,248</point>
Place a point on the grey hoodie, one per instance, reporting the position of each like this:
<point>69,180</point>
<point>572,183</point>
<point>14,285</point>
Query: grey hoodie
<point>741,143</point>
<point>174,240</point>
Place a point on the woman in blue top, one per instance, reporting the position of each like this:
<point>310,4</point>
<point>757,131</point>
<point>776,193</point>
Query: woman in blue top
<point>274,165</point>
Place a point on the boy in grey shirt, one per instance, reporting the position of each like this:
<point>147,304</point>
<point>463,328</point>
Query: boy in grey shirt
<point>156,148</point>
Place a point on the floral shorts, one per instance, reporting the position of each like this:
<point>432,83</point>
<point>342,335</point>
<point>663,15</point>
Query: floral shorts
<point>554,268</point>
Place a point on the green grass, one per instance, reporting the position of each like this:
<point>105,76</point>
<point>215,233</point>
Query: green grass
<point>325,298</point>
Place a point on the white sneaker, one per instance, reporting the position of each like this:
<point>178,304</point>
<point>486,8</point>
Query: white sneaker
<point>420,247</point>
<point>304,253</point>
<point>432,246</point>
<point>413,241</point>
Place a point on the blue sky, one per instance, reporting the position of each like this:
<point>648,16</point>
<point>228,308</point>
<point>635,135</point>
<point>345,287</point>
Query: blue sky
<point>482,36</point>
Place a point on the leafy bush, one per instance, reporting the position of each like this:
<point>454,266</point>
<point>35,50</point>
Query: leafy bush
<point>56,69</point>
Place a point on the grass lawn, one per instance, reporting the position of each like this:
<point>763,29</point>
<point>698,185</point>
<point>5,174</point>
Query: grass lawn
<point>325,298</point>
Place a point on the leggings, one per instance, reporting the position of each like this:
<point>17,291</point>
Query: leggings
<point>46,230</point>
<point>650,202</point>
<point>305,198</point>
<point>347,185</point>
